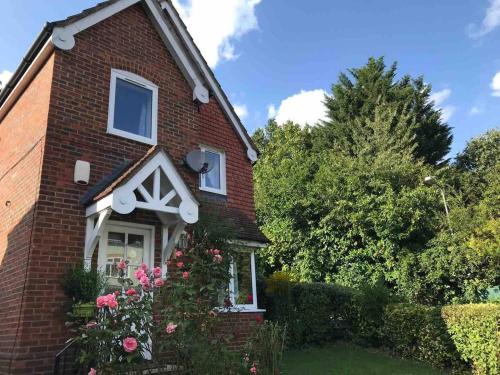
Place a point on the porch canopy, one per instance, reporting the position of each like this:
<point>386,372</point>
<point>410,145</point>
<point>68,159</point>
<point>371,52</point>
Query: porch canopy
<point>152,184</point>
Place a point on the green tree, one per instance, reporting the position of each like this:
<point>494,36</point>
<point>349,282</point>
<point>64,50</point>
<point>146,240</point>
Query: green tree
<point>361,93</point>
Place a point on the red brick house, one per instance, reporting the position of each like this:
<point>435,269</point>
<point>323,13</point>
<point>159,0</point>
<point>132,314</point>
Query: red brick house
<point>119,90</point>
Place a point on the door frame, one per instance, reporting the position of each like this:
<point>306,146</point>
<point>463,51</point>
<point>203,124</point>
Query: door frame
<point>134,228</point>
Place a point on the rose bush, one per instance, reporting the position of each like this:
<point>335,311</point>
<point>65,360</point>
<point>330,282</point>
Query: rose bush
<point>121,333</point>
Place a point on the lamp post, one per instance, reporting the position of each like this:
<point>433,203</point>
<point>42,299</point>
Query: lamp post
<point>429,180</point>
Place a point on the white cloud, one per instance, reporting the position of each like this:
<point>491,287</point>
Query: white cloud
<point>4,78</point>
<point>476,110</point>
<point>216,24</point>
<point>495,84</point>
<point>490,21</point>
<point>447,112</point>
<point>241,110</point>
<point>271,111</point>
<point>306,107</point>
<point>439,97</point>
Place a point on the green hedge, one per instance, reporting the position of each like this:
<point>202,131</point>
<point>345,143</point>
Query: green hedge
<point>476,334</point>
<point>419,332</point>
<point>319,312</point>
<point>314,312</point>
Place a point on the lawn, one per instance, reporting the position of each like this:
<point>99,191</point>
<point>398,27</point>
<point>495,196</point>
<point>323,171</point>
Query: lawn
<point>347,359</point>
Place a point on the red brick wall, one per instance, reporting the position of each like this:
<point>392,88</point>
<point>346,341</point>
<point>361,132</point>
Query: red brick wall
<point>77,124</point>
<point>22,139</point>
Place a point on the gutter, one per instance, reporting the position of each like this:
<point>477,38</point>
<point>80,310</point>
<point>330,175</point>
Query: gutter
<point>37,53</point>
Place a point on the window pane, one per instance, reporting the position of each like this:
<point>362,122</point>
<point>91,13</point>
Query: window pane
<point>212,178</point>
<point>242,271</point>
<point>133,108</point>
<point>135,253</point>
<point>115,251</point>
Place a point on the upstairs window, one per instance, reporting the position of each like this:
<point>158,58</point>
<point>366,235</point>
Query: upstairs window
<point>215,180</point>
<point>133,106</point>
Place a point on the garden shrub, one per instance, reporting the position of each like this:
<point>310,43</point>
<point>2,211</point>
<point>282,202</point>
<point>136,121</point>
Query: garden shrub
<point>419,332</point>
<point>313,312</point>
<point>475,331</point>
<point>369,304</point>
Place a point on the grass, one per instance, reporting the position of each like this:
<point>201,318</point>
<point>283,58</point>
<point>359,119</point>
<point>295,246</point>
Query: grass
<point>348,359</point>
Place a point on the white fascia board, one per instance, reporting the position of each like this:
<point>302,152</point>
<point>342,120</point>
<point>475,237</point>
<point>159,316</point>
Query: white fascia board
<point>255,244</point>
<point>251,152</point>
<point>27,77</point>
<point>63,38</point>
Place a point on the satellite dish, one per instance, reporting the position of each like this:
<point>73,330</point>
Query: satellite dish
<point>197,160</point>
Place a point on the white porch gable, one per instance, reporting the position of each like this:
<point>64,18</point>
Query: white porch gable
<point>153,185</point>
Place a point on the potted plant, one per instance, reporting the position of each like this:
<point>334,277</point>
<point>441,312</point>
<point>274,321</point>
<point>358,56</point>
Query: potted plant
<point>83,286</point>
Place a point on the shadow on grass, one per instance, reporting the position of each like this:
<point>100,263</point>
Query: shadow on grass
<point>349,359</point>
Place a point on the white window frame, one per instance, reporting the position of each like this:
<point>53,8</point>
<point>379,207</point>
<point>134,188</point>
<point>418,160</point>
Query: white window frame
<point>232,292</point>
<point>142,82</point>
<point>222,170</point>
<point>132,228</point>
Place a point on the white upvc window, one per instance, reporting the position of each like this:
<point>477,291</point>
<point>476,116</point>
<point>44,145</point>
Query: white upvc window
<point>133,107</point>
<point>128,241</point>
<point>243,284</point>
<point>214,181</point>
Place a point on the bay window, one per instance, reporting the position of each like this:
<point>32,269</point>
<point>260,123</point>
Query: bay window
<point>242,287</point>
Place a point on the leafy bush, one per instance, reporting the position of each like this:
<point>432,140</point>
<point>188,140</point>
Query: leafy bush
<point>417,331</point>
<point>369,304</point>
<point>82,285</point>
<point>475,331</point>
<point>313,312</point>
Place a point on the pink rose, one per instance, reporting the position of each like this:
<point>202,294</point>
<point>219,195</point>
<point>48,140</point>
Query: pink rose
<point>178,253</point>
<point>122,265</point>
<point>157,272</point>
<point>144,267</point>
<point>216,252</point>
<point>108,300</point>
<point>112,302</point>
<point>180,264</point>
<point>145,282</point>
<point>139,273</point>
<point>101,302</point>
<point>129,344</point>
<point>92,371</point>
<point>159,283</point>
<point>185,275</point>
<point>253,370</point>
<point>217,259</point>
<point>131,292</point>
<point>171,327</point>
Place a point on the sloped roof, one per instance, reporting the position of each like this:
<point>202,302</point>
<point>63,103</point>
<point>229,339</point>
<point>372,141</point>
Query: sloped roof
<point>182,35</point>
<point>119,176</point>
<point>244,227</point>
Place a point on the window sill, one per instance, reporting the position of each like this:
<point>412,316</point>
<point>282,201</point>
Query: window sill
<point>132,136</point>
<point>213,191</point>
<point>237,310</point>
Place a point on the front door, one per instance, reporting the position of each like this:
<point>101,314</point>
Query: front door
<point>128,241</point>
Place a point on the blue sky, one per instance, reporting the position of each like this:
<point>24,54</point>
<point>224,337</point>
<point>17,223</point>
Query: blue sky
<point>278,56</point>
